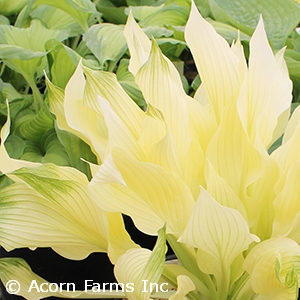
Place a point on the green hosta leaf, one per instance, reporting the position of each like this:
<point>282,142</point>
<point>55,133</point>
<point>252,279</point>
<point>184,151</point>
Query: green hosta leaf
<point>244,15</point>
<point>11,52</point>
<point>54,18</point>
<point>157,31</point>
<point>113,11</point>
<point>58,53</point>
<point>5,181</point>
<point>115,15</point>
<point>76,150</point>
<point>8,7</point>
<point>8,164</point>
<point>172,48</point>
<point>32,126</point>
<point>107,43</point>
<point>23,49</point>
<point>48,150</point>
<point>292,59</point>
<point>25,45</point>
<point>14,146</point>
<point>79,10</point>
<point>141,2</point>
<point>142,12</point>
<point>173,14</point>
<point>203,6</point>
<point>4,20</point>
<point>230,33</point>
<point>127,81</point>
<point>17,102</point>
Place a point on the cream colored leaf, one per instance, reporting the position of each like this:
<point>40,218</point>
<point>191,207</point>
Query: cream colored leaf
<point>287,206</point>
<point>185,285</point>
<point>159,146</point>
<point>142,268</point>
<point>168,95</point>
<point>89,125</point>
<point>292,125</point>
<point>119,135</point>
<point>54,210</point>
<point>119,239</point>
<point>138,44</point>
<point>170,99</point>
<point>150,193</point>
<point>267,90</point>
<point>221,191</point>
<point>105,85</point>
<point>287,155</point>
<point>220,233</point>
<point>217,63</point>
<point>270,265</point>
<point>235,159</point>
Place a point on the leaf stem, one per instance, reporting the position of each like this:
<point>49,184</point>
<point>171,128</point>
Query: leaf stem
<point>37,96</point>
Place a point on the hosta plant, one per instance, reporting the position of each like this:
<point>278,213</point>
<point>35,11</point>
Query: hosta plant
<point>197,172</point>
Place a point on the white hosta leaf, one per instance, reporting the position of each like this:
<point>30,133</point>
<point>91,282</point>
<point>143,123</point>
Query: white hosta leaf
<point>170,99</point>
<point>268,90</point>
<point>287,207</point>
<point>185,285</point>
<point>106,85</point>
<point>274,268</point>
<point>217,63</point>
<point>235,159</point>
<point>88,124</point>
<point>220,233</point>
<point>159,146</point>
<point>119,239</point>
<point>142,268</point>
<point>118,134</point>
<point>219,189</point>
<point>53,209</point>
<point>150,194</point>
<point>168,95</point>
<point>292,125</point>
<point>286,156</point>
<point>138,43</point>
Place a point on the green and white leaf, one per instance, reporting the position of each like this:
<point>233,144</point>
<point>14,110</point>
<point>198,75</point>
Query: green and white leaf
<point>52,208</point>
